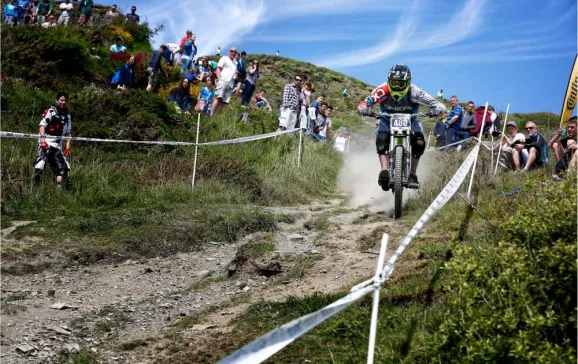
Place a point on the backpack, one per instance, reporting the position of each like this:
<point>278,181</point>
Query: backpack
<point>115,79</point>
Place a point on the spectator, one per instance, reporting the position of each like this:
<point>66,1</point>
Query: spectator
<point>277,53</point>
<point>453,122</point>
<point>250,82</point>
<point>85,12</point>
<point>290,104</point>
<point>345,94</point>
<point>55,122</point>
<point>260,102</point>
<point>32,12</point>
<point>126,77</point>
<point>440,130</point>
<point>468,124</point>
<point>65,9</point>
<point>495,127</point>
<point>323,132</point>
<point>188,35</point>
<point>112,13</point>
<point>225,74</point>
<point>241,73</point>
<point>511,156</point>
<point>44,10</point>
<point>188,50</point>
<point>440,94</point>
<point>341,140</point>
<point>306,92</point>
<point>203,71</point>
<point>118,47</point>
<point>564,148</point>
<point>155,67</point>
<point>10,12</point>
<point>219,51</point>
<point>50,23</point>
<point>534,151</point>
<point>133,16</point>
<point>23,12</point>
<point>320,122</point>
<point>205,98</point>
<point>96,40</point>
<point>181,96</point>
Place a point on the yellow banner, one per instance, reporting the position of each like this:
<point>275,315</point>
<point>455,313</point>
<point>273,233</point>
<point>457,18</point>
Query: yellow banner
<point>571,94</point>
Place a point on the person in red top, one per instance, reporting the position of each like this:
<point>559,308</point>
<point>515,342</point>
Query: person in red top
<point>55,122</point>
<point>399,95</point>
<point>185,38</point>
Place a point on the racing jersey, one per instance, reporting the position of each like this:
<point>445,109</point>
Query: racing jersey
<point>56,122</point>
<point>409,104</point>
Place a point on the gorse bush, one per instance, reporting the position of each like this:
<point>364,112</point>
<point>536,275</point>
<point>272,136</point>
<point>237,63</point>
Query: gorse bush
<point>516,301</point>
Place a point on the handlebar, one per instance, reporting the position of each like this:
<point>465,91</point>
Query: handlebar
<point>384,114</point>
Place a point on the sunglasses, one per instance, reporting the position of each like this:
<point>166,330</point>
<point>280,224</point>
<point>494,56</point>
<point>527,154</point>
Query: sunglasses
<point>530,128</point>
<point>233,51</point>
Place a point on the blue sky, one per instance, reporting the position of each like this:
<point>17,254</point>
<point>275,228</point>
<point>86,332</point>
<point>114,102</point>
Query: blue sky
<point>509,51</point>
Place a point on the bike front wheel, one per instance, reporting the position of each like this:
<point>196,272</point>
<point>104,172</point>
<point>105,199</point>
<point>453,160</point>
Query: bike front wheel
<point>398,180</point>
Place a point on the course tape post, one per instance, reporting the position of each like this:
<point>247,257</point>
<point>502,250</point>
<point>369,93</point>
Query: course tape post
<point>267,345</point>
<point>6,134</point>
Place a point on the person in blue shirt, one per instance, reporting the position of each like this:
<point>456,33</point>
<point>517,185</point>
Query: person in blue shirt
<point>189,52</point>
<point>117,47</point>
<point>453,122</point>
<point>206,95</point>
<point>10,13</point>
<point>181,96</point>
<point>22,9</point>
<point>126,78</point>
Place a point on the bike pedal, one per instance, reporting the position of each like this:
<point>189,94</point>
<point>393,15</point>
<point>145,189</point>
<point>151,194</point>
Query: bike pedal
<point>413,185</point>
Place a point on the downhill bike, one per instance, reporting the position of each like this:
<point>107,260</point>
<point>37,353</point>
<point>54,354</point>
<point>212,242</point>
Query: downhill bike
<point>399,156</point>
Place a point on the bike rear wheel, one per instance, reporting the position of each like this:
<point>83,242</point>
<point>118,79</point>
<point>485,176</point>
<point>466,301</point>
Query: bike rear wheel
<point>398,180</point>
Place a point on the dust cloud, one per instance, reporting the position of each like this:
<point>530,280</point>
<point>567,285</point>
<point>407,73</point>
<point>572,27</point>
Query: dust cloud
<point>358,178</point>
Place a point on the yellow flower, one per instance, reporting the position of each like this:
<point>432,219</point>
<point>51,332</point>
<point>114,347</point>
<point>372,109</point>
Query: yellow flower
<point>119,32</point>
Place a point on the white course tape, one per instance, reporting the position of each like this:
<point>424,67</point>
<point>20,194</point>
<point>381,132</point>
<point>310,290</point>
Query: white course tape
<point>6,134</point>
<point>269,344</point>
<point>443,197</point>
<point>448,145</point>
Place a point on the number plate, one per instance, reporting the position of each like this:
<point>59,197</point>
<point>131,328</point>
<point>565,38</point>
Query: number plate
<point>401,122</point>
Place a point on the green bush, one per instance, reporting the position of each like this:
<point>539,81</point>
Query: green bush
<point>516,301</point>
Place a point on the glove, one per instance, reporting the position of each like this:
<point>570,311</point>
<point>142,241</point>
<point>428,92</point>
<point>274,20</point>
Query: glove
<point>44,146</point>
<point>66,151</point>
<point>367,112</point>
<point>432,113</point>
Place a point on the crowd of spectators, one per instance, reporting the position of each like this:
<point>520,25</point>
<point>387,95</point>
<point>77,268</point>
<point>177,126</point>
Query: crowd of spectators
<point>518,152</point>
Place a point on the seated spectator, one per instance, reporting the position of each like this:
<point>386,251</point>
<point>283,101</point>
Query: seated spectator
<point>260,102</point>
<point>10,12</point>
<point>182,98</point>
<point>65,10</point>
<point>341,140</point>
<point>126,78</point>
<point>203,71</point>
<point>510,157</point>
<point>132,16</point>
<point>86,17</point>
<point>96,40</point>
<point>440,130</point>
<point>534,151</point>
<point>564,148</point>
<point>250,82</point>
<point>118,47</point>
<point>205,98</point>
<point>50,23</point>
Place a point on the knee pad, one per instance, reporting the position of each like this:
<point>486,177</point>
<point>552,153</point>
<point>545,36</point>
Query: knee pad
<point>382,142</point>
<point>417,145</point>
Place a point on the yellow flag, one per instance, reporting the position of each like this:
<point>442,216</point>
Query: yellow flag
<point>571,94</point>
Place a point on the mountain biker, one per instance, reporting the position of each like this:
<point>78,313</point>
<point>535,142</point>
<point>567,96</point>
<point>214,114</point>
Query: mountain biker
<point>399,95</point>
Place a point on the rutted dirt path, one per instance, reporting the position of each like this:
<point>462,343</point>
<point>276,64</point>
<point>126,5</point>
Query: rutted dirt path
<point>102,307</point>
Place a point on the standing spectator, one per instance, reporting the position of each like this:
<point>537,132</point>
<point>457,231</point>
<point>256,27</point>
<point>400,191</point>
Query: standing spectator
<point>133,16</point>
<point>320,122</point>
<point>440,130</point>
<point>290,104</point>
<point>10,13</point>
<point>85,12</point>
<point>225,73</point>
<point>126,77</point>
<point>323,132</point>
<point>155,67</point>
<point>534,151</point>
<point>50,23</point>
<point>241,73</point>
<point>306,92</point>
<point>260,102</point>
<point>495,127</point>
<point>117,47</point>
<point>468,124</point>
<point>250,82</point>
<point>189,50</point>
<point>187,36</point>
<point>453,123</point>
<point>511,155</point>
<point>277,53</point>
<point>45,9</point>
<point>112,13</point>
<point>23,12</point>
<point>440,94</point>
<point>219,51</point>
<point>65,9</point>
<point>55,122</point>
<point>181,96</point>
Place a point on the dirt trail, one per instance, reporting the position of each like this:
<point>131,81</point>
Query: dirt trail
<point>99,307</point>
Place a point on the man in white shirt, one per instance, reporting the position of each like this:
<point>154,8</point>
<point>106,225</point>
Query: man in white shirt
<point>225,73</point>
<point>65,9</point>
